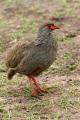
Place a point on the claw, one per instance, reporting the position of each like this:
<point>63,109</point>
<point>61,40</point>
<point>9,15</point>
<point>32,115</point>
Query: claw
<point>44,89</point>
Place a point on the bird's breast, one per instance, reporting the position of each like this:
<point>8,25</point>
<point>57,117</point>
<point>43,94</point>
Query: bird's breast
<point>47,53</point>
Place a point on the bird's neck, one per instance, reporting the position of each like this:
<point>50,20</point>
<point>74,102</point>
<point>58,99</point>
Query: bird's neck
<point>43,36</point>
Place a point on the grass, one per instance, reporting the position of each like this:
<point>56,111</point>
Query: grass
<point>64,102</point>
<point>70,65</point>
<point>56,116</point>
<point>1,46</point>
<point>26,26</point>
<point>22,106</point>
<point>63,98</point>
<point>35,109</point>
<point>3,22</point>
<point>66,39</point>
<point>9,2</point>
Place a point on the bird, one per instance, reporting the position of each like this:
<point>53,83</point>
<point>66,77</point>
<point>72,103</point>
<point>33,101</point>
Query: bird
<point>31,58</point>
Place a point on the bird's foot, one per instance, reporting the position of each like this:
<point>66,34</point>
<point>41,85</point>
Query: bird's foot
<point>44,89</point>
<point>40,92</point>
<point>36,93</point>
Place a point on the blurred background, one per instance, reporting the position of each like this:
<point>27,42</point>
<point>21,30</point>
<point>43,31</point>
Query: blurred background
<point>20,20</point>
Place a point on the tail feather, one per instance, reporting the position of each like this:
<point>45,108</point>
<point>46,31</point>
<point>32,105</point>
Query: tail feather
<point>11,73</point>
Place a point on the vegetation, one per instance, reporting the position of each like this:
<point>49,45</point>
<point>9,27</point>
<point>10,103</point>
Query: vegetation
<point>20,20</point>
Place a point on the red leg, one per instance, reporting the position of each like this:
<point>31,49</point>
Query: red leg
<point>37,85</point>
<point>32,87</point>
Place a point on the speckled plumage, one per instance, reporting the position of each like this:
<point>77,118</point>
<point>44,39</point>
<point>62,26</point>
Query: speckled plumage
<point>31,58</point>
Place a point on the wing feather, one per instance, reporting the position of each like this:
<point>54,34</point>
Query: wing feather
<point>15,54</point>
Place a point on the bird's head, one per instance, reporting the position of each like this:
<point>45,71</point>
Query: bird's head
<point>45,30</point>
<point>49,26</point>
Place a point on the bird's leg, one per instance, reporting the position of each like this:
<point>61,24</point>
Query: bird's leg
<point>37,85</point>
<point>32,87</point>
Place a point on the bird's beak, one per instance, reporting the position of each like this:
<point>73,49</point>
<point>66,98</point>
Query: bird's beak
<point>56,27</point>
<point>53,27</point>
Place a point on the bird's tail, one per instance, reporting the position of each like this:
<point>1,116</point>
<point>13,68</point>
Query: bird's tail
<point>11,73</point>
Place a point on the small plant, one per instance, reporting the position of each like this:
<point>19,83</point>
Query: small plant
<point>64,102</point>
<point>9,2</point>
<point>67,56</point>
<point>56,116</point>
<point>72,66</point>
<point>71,63</point>
<point>27,91</point>
<point>2,21</point>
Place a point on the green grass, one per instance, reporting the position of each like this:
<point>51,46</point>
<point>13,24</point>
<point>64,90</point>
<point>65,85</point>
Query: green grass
<point>63,98</point>
<point>27,107</point>
<point>3,22</point>
<point>9,2</point>
<point>64,102</point>
<point>1,46</point>
<point>26,26</point>
<point>56,116</point>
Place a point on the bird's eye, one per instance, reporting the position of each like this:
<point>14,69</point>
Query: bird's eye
<point>49,26</point>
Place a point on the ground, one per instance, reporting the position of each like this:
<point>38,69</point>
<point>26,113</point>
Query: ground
<point>19,20</point>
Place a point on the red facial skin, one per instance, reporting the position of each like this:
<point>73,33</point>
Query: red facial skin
<point>52,27</point>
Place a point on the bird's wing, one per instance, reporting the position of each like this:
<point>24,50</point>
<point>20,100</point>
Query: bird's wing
<point>15,54</point>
